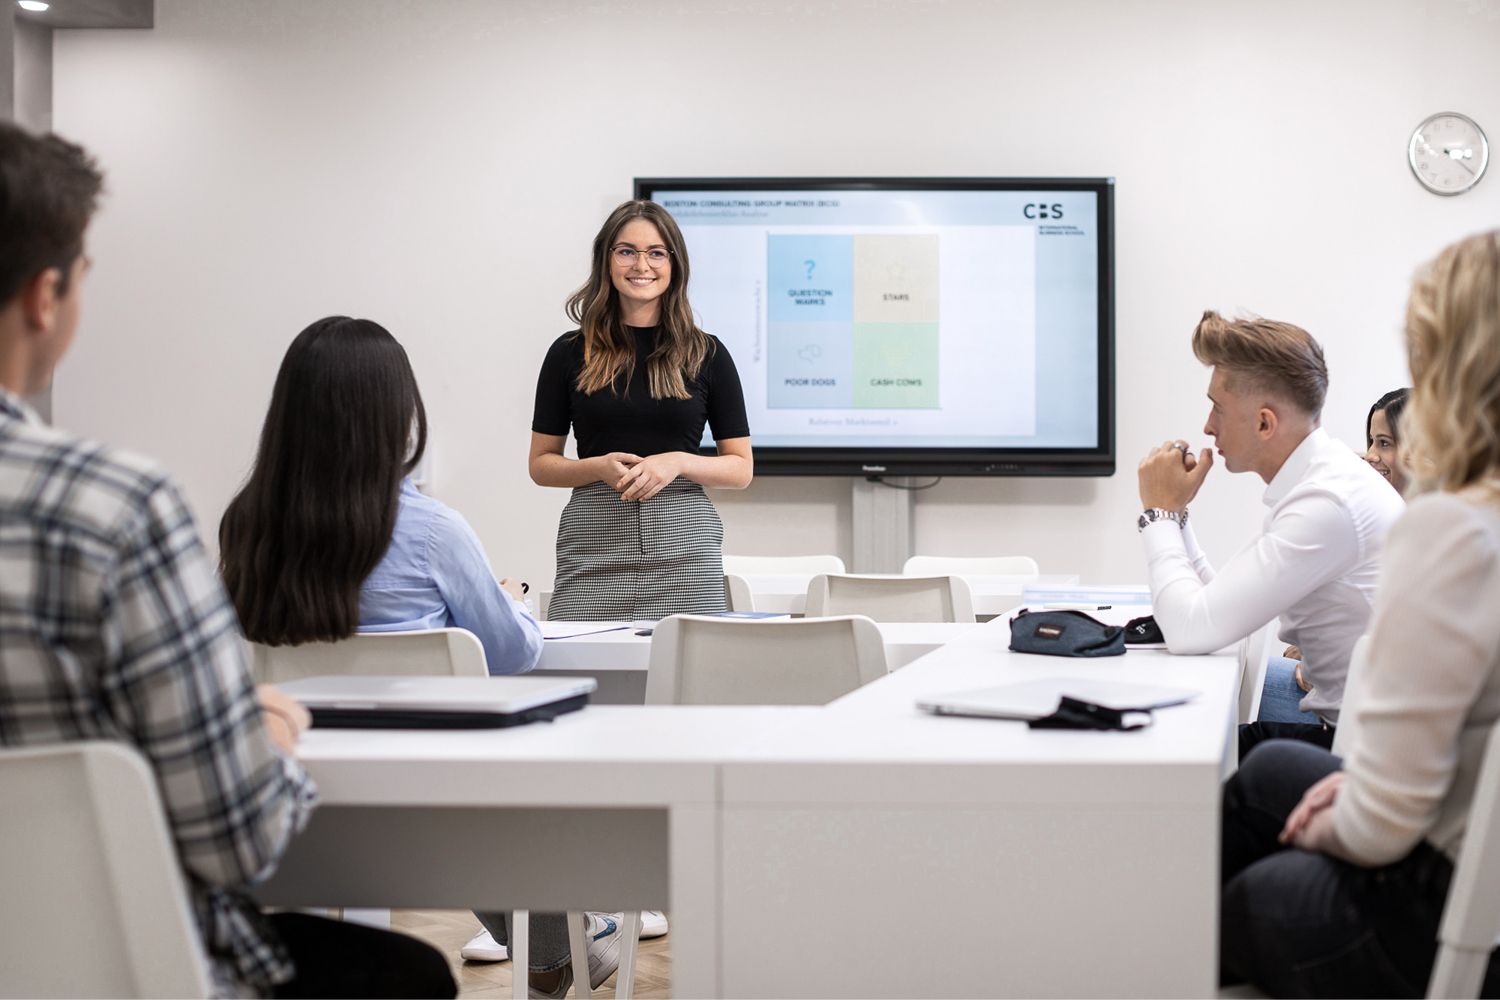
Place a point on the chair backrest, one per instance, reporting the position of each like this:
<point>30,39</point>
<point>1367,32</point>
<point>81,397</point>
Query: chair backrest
<point>702,660</point>
<point>971,566</point>
<point>442,651</point>
<point>1347,731</point>
<point>891,598</point>
<point>1255,652</point>
<point>752,565</point>
<point>737,593</point>
<point>1471,918</point>
<point>95,902</point>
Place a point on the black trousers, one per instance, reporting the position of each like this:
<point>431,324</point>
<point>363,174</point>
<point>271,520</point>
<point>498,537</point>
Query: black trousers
<point>1254,734</point>
<point>1299,924</point>
<point>337,959</point>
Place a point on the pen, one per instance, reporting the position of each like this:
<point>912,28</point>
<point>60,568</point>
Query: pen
<point>1078,607</point>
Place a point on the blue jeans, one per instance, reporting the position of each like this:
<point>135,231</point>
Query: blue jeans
<point>548,947</point>
<point>1281,695</point>
<point>1299,924</point>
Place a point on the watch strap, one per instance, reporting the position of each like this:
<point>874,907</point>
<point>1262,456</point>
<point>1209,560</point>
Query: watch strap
<point>1153,514</point>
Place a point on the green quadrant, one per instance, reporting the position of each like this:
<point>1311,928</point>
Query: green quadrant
<point>896,365</point>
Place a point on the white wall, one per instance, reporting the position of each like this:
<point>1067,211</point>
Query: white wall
<point>442,167</point>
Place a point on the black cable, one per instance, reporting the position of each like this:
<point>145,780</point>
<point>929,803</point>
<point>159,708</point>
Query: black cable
<point>909,489</point>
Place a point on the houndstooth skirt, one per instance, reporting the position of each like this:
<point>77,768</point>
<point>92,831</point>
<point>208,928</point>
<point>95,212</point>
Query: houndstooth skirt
<point>620,560</point>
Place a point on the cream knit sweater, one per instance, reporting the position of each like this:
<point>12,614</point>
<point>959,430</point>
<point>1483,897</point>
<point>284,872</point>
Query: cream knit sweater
<point>1422,707</point>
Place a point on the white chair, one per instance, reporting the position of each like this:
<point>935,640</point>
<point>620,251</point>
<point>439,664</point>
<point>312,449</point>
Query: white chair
<point>1255,652</point>
<point>737,594</point>
<point>701,660</point>
<point>95,903</point>
<point>1346,732</point>
<point>440,651</point>
<point>772,565</point>
<point>971,566</point>
<point>891,598</point>
<point>1471,918</point>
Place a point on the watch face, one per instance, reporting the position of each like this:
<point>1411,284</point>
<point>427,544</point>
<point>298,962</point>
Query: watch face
<point>1448,153</point>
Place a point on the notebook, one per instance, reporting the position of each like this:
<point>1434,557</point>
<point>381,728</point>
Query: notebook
<point>344,702</point>
<point>1039,698</point>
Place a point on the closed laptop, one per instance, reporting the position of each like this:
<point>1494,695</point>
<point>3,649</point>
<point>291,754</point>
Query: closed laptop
<point>347,702</point>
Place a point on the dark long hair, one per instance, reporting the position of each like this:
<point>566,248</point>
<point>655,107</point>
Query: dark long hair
<point>608,352</point>
<point>1392,403</point>
<point>346,423</point>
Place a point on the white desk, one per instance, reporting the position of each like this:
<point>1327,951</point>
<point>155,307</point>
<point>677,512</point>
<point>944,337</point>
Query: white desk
<point>787,592</point>
<point>861,849</point>
<point>618,660</point>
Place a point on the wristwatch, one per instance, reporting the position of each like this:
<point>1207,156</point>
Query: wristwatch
<point>1153,514</point>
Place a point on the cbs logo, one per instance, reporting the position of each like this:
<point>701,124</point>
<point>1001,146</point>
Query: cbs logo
<point>1036,211</point>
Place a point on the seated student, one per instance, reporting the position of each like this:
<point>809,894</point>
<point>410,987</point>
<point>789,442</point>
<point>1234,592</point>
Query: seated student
<point>1336,873</point>
<point>1383,438</point>
<point>117,629</point>
<point>329,536</point>
<point>1316,560</point>
<point>1281,696</point>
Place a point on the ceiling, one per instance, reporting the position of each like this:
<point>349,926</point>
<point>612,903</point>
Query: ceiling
<point>93,14</point>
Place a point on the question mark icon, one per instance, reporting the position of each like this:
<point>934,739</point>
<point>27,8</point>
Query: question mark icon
<point>810,265</point>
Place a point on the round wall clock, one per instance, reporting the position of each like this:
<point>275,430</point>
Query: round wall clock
<point>1448,153</point>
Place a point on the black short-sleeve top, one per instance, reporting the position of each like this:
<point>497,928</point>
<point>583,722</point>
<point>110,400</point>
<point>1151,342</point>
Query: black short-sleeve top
<point>630,420</point>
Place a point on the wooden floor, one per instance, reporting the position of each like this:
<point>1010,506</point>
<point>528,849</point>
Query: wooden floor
<point>449,930</point>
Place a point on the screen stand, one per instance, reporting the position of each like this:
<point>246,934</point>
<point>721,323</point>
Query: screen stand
<point>882,525</point>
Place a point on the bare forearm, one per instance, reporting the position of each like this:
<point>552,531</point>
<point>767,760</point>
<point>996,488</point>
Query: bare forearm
<point>724,472</point>
<point>559,470</point>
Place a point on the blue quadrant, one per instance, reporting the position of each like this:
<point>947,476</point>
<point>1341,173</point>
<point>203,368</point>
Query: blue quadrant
<point>810,278</point>
<point>811,366</point>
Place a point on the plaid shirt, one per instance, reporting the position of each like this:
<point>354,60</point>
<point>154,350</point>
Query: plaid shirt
<point>114,626</point>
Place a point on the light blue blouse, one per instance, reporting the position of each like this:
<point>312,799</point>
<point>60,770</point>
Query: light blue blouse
<point>435,575</point>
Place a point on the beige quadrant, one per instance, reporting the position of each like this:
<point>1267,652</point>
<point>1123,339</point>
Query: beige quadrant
<point>896,279</point>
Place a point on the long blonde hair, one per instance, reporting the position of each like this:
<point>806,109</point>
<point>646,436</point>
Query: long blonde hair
<point>1452,424</point>
<point>608,351</point>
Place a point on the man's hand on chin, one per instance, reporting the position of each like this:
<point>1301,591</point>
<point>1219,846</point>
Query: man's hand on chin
<point>1171,475</point>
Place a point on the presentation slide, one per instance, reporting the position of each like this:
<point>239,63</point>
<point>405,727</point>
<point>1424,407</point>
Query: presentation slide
<point>902,318</point>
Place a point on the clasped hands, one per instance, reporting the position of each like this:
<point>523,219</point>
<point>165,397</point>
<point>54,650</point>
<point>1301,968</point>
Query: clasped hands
<point>1171,475</point>
<point>637,478</point>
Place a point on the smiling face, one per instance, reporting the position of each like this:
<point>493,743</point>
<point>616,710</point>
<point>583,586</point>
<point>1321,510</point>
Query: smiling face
<point>1383,454</point>
<point>640,285</point>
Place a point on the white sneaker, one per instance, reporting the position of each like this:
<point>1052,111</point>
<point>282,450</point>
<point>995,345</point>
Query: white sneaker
<point>653,924</point>
<point>483,947</point>
<point>602,933</point>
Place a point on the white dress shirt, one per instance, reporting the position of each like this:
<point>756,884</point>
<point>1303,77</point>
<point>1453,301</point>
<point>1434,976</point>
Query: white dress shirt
<point>1315,565</point>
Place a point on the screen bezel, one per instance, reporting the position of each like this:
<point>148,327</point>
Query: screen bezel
<point>1098,460</point>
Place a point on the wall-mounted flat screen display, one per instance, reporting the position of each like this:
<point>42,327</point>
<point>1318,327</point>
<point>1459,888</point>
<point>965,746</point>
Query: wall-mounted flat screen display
<point>910,326</point>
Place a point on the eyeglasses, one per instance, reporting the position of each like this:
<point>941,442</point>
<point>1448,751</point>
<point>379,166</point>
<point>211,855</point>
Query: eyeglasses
<point>625,255</point>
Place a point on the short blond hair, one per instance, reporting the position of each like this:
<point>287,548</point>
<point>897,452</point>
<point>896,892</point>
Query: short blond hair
<point>1276,358</point>
<point>1452,424</point>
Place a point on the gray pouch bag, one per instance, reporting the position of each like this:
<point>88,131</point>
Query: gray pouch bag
<point>1064,633</point>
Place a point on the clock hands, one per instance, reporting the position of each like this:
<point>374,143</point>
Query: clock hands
<point>1459,160</point>
<point>1454,153</point>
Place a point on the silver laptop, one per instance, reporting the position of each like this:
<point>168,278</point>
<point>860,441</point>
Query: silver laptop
<point>1038,699</point>
<point>437,702</point>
